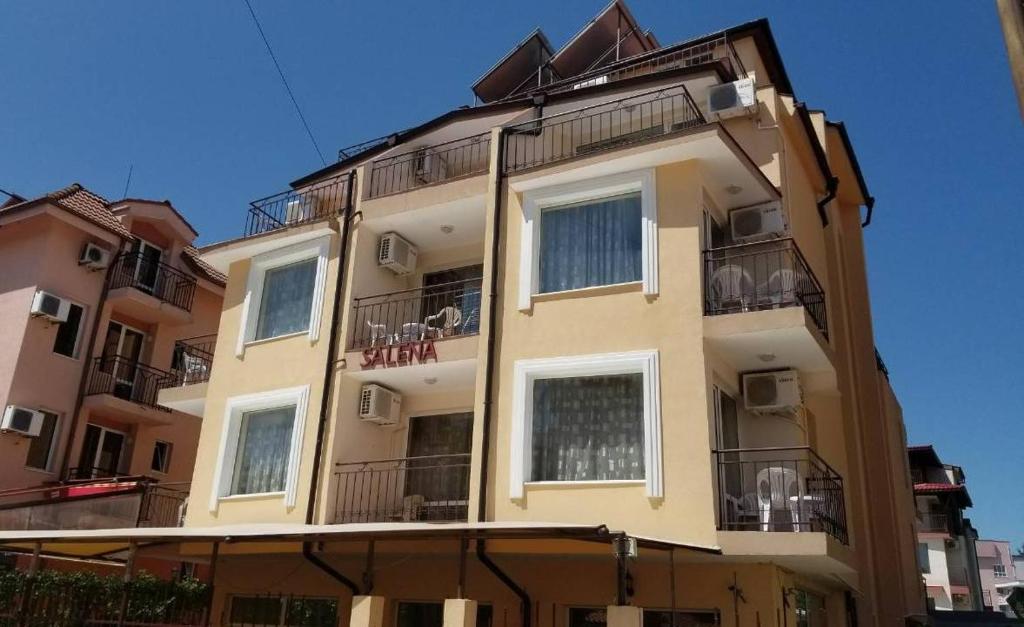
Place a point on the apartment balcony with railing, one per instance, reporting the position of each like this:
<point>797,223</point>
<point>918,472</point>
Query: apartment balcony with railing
<point>430,165</point>
<point>779,489</point>
<point>127,389</point>
<point>191,366</point>
<point>447,310</point>
<point>295,207</point>
<point>151,290</point>
<point>428,488</point>
<point>933,522</point>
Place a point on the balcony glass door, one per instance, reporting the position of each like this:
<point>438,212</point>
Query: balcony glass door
<point>454,288</point>
<point>148,265</point>
<point>102,452</point>
<point>438,451</point>
<point>730,479</point>
<point>122,350</point>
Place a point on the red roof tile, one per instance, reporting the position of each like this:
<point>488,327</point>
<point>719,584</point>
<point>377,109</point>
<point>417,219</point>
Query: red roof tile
<point>191,255</point>
<point>938,487</point>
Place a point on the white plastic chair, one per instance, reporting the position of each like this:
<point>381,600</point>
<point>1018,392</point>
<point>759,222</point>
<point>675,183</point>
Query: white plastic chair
<point>781,286</point>
<point>195,368</point>
<point>776,485</point>
<point>377,332</point>
<point>731,285</point>
<point>452,318</point>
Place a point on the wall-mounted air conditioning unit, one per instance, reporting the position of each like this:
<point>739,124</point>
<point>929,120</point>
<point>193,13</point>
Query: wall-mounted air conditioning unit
<point>772,392</point>
<point>50,306</point>
<point>94,257</point>
<point>732,99</point>
<point>22,420</point>
<point>757,222</point>
<point>396,254</point>
<point>379,405</point>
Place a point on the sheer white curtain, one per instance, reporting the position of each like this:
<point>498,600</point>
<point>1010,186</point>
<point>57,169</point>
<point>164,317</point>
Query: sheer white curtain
<point>592,243</point>
<point>588,428</point>
<point>287,299</point>
<point>264,442</point>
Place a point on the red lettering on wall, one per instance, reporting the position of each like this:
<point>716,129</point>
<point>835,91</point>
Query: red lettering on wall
<point>404,354</point>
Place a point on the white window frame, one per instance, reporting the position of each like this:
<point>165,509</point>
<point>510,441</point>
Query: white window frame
<point>999,570</point>
<point>167,458</point>
<point>529,370</point>
<point>318,249</point>
<point>234,409</point>
<point>537,200</point>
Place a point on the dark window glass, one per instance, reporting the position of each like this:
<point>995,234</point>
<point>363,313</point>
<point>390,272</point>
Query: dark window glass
<point>426,614</point>
<point>161,457</point>
<point>41,447</point>
<point>66,342</point>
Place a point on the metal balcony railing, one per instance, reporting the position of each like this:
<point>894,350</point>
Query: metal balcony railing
<point>431,488</point>
<point>779,489</point>
<point>155,278</point>
<point>430,165</point>
<point>294,207</point>
<point>598,128</point>
<point>762,275</point>
<point>445,310</point>
<point>880,364</point>
<point>127,379</point>
<point>192,360</point>
<point>933,522</point>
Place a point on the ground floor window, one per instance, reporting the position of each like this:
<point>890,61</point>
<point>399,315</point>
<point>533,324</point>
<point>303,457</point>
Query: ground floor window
<point>810,609</point>
<point>598,617</point>
<point>431,614</point>
<point>283,611</point>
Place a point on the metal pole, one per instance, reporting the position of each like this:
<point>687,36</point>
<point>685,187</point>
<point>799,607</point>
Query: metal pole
<point>463,548</point>
<point>621,571</point>
<point>371,550</point>
<point>672,583</point>
<point>129,565</point>
<point>213,580</point>
<point>26,593</point>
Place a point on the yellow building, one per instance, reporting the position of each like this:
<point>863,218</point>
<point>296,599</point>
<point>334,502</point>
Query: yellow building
<point>596,351</point>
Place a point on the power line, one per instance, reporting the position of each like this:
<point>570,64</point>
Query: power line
<point>285,81</point>
<point>129,181</point>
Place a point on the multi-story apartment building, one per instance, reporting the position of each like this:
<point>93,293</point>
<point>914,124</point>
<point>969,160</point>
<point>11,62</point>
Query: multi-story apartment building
<point>596,351</point>
<point>947,555</point>
<point>98,300</point>
<point>997,573</point>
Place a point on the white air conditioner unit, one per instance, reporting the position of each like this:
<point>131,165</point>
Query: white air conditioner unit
<point>49,306</point>
<point>94,257</point>
<point>396,254</point>
<point>379,405</point>
<point>757,222</point>
<point>298,210</point>
<point>732,99</point>
<point>772,392</point>
<point>22,420</point>
<point>429,167</point>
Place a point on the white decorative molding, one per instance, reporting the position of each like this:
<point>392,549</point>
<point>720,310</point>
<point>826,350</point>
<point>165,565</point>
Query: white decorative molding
<point>537,200</point>
<point>319,249</point>
<point>234,408</point>
<point>528,370</point>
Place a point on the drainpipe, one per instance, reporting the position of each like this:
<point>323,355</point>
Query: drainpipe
<point>325,397</point>
<point>524,598</point>
<point>86,365</point>
<point>869,202</point>
<point>831,186</point>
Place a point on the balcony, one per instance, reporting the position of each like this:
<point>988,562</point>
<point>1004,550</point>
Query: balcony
<point>779,489</point>
<point>599,128</point>
<point>430,165</point>
<point>933,522</point>
<point>432,488</point>
<point>115,504</point>
<point>151,290</point>
<point>127,390</point>
<point>441,311</point>
<point>190,372</point>
<point>317,202</point>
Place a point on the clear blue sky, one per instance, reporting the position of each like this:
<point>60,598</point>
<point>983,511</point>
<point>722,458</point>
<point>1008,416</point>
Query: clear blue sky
<point>185,92</point>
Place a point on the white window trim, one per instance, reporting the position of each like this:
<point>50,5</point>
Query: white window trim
<point>233,410</point>
<point>535,201</point>
<point>314,249</point>
<point>528,370</point>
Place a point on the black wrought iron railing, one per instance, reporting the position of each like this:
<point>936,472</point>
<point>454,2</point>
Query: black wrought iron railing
<point>762,275</point>
<point>779,489</point>
<point>294,207</point>
<point>192,360</point>
<point>429,165</point>
<point>599,127</point>
<point>430,488</point>
<point>127,379</point>
<point>260,610</point>
<point>445,310</point>
<point>153,277</point>
<point>934,522</point>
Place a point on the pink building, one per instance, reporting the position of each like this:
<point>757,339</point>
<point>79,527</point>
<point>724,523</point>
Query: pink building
<point>103,306</point>
<point>998,574</point>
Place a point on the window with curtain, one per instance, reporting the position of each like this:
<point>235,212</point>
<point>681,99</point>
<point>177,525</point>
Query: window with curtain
<point>588,428</point>
<point>598,242</point>
<point>261,459</point>
<point>287,299</point>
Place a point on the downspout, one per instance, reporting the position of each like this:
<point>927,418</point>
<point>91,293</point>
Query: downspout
<point>325,396</point>
<point>869,202</point>
<point>86,365</point>
<point>492,315</point>
<point>831,185</point>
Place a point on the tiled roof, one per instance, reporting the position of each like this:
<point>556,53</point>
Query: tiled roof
<point>89,206</point>
<point>938,487</point>
<point>191,255</point>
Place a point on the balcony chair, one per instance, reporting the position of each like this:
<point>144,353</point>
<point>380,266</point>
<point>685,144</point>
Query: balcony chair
<point>377,332</point>
<point>193,368</point>
<point>781,287</point>
<point>778,489</point>
<point>732,288</point>
<point>451,319</point>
